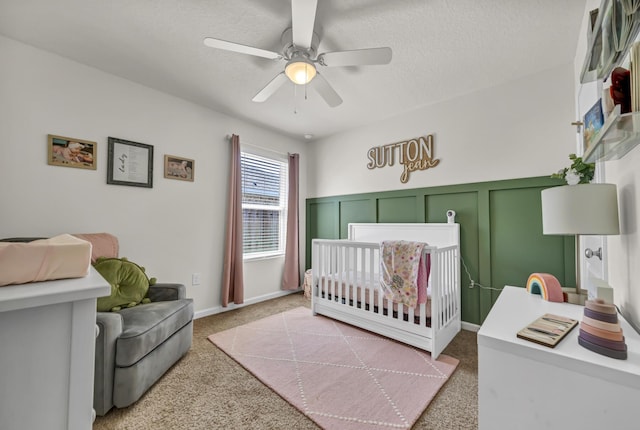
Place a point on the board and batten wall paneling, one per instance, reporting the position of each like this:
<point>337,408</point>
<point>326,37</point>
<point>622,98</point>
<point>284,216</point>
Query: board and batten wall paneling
<point>361,210</point>
<point>323,224</point>
<point>398,209</point>
<point>466,206</point>
<point>517,241</point>
<point>501,236</point>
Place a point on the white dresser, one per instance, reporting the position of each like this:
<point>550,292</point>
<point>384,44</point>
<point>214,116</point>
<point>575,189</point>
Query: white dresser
<point>523,385</point>
<point>47,347</point>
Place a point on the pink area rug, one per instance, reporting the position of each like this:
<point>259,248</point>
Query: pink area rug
<point>339,376</point>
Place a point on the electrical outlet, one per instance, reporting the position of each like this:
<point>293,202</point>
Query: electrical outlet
<point>195,279</point>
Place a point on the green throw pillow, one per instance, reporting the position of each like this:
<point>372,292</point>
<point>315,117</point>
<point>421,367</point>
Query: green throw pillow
<point>129,283</point>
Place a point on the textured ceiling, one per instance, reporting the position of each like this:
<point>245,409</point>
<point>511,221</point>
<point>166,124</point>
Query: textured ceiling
<point>441,49</point>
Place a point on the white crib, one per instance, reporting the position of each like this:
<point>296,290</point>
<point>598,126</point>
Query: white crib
<point>346,283</point>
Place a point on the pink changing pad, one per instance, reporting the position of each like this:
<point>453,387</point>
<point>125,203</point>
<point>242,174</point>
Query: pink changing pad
<point>59,257</point>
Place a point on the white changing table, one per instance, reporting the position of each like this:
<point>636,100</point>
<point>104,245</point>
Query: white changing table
<point>523,385</point>
<point>47,349</point>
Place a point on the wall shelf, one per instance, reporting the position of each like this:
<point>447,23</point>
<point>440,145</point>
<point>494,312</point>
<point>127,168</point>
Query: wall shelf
<point>608,47</point>
<point>619,135</point>
<point>602,55</point>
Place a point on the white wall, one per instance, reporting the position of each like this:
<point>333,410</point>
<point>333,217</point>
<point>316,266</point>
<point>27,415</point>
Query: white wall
<point>518,129</point>
<point>174,229</point>
<point>623,250</point>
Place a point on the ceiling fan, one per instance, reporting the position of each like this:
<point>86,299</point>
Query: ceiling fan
<point>299,50</point>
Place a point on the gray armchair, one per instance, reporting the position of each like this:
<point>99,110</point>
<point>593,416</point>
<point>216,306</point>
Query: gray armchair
<point>136,346</point>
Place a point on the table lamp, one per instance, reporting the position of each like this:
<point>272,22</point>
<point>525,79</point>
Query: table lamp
<point>584,209</point>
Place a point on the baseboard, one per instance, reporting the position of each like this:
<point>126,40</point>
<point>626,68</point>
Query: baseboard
<point>219,309</point>
<point>470,327</point>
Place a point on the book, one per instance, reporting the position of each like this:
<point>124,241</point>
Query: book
<point>548,330</point>
<point>634,56</point>
<point>596,50</point>
<point>593,122</point>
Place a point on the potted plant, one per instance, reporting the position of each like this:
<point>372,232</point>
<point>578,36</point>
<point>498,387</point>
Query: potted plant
<point>578,173</point>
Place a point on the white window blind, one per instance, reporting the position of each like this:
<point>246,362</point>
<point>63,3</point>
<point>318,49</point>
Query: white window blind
<point>264,205</point>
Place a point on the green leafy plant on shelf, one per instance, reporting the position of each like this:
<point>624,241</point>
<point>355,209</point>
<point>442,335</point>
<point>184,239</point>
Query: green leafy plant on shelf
<point>578,173</point>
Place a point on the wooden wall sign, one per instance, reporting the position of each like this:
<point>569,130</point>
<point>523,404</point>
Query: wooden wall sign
<point>414,154</point>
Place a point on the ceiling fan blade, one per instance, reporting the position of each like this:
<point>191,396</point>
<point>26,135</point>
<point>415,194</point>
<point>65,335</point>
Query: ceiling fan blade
<point>358,57</point>
<point>271,88</point>
<point>325,90</point>
<point>303,17</point>
<point>243,49</point>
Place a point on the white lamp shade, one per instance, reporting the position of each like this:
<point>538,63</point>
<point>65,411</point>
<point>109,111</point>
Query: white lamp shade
<point>580,209</point>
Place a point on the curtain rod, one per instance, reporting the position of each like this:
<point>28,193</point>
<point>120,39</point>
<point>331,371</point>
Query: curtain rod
<point>284,154</point>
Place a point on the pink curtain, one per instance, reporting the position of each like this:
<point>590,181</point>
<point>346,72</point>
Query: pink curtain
<point>232,282</point>
<point>291,276</point>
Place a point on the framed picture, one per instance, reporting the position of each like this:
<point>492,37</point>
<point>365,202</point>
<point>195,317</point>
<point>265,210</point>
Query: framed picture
<point>129,163</point>
<point>70,152</point>
<point>178,168</point>
<point>593,122</point>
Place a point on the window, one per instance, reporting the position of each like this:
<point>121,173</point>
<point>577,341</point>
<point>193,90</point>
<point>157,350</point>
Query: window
<point>264,205</point>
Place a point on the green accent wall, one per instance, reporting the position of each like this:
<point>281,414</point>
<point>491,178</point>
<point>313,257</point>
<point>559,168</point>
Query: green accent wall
<point>501,238</point>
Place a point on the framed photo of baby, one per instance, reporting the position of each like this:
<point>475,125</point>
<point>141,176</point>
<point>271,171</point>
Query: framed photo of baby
<point>70,152</point>
<point>178,168</point>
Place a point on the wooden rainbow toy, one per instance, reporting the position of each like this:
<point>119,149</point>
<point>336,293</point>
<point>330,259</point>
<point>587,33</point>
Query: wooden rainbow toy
<point>546,285</point>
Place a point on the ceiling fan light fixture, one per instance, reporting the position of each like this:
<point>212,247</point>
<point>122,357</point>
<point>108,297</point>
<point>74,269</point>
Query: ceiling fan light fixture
<point>300,52</point>
<point>300,71</point>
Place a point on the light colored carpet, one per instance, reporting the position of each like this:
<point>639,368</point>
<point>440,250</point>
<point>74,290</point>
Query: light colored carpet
<point>207,390</point>
<point>341,377</point>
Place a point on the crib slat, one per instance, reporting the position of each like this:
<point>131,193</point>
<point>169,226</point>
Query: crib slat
<point>351,267</point>
<point>363,284</point>
<point>450,292</point>
<point>445,298</point>
<point>334,272</point>
<point>445,295</point>
<point>451,304</point>
<point>350,281</point>
<point>449,295</point>
<point>435,285</point>
<point>355,290</point>
<point>373,284</point>
<point>325,272</point>
<point>346,269</point>
<point>360,278</point>
<point>327,263</point>
<point>339,272</point>
<point>423,306</point>
<point>381,297</point>
<point>444,309</point>
<point>314,275</point>
<point>411,314</point>
<point>443,292</point>
<point>322,269</point>
<point>453,308</point>
<point>344,286</point>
